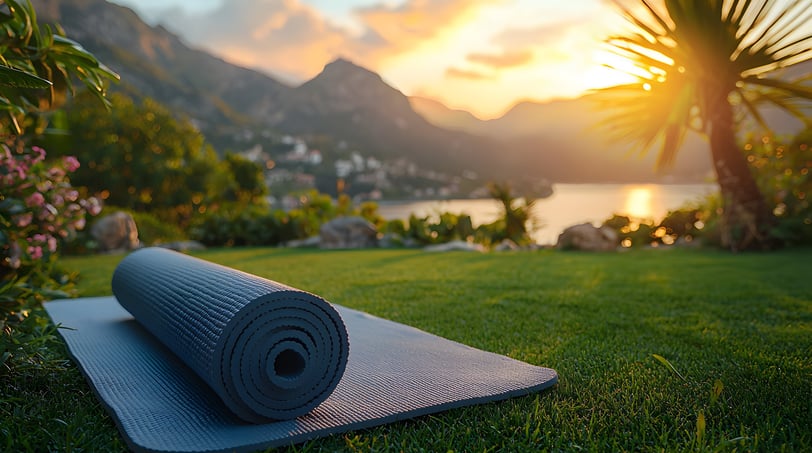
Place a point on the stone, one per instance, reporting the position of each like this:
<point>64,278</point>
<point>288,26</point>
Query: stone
<point>506,245</point>
<point>588,237</point>
<point>306,243</point>
<point>350,232</point>
<point>116,232</point>
<point>463,246</point>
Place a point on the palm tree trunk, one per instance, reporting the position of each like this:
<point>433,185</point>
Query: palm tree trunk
<point>747,220</point>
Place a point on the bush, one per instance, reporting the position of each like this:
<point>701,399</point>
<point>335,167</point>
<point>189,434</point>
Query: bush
<point>39,212</point>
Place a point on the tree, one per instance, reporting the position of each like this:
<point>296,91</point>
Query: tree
<point>248,179</point>
<point>515,215</point>
<point>37,65</point>
<point>704,65</point>
<point>138,156</point>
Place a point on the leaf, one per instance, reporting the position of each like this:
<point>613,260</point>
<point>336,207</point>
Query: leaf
<point>668,365</point>
<point>15,78</point>
<point>716,391</point>
<point>700,427</point>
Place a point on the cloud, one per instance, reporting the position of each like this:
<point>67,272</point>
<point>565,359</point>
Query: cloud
<point>506,59</point>
<point>416,20</point>
<point>291,39</point>
<point>281,36</point>
<point>538,36</point>
<point>466,74</point>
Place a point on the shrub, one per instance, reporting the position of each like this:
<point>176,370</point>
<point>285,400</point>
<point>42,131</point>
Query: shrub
<point>39,212</point>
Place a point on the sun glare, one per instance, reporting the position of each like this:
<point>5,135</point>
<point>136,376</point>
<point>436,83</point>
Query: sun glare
<point>639,202</point>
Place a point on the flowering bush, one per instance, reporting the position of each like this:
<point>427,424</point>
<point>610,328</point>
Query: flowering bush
<point>39,208</point>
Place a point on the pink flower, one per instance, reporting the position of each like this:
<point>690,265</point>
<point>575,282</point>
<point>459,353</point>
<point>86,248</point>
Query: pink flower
<point>35,252</point>
<point>57,200</point>
<point>71,163</point>
<point>40,154</point>
<point>72,195</point>
<point>80,223</point>
<point>51,244</point>
<point>39,238</point>
<point>56,173</point>
<point>35,200</point>
<point>23,220</point>
<point>92,205</point>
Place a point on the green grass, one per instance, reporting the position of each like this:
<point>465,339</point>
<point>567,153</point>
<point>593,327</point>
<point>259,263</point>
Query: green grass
<point>744,321</point>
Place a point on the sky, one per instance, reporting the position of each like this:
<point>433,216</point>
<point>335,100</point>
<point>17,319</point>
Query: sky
<point>483,56</point>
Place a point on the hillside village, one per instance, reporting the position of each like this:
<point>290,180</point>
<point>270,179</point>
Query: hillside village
<point>293,165</point>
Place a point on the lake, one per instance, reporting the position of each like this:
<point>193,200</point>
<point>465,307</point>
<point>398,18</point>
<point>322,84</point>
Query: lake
<point>569,205</point>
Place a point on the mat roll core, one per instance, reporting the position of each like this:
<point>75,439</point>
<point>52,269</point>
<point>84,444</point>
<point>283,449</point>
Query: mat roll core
<point>271,352</point>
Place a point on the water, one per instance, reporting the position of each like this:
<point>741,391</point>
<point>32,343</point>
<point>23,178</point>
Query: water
<point>569,205</point>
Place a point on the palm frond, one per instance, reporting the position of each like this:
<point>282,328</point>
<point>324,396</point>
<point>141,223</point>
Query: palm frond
<point>693,54</point>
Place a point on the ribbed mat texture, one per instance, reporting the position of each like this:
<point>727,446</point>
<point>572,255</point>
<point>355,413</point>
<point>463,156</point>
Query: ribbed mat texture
<point>270,351</point>
<point>200,369</point>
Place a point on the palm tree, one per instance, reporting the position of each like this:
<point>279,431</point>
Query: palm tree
<point>703,65</point>
<point>516,215</point>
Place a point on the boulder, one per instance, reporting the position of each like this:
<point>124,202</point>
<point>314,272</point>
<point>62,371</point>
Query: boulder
<point>351,232</point>
<point>506,245</point>
<point>588,237</point>
<point>309,242</point>
<point>455,246</point>
<point>116,233</point>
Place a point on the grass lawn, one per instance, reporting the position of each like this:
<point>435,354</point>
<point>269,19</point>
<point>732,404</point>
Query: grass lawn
<point>740,323</point>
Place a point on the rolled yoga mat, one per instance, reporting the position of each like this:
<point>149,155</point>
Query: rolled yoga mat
<point>163,394</point>
<point>271,352</point>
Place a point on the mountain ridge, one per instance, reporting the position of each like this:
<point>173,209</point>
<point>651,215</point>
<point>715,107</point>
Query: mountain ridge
<point>353,105</point>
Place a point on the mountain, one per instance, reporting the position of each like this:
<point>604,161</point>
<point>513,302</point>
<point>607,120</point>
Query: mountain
<point>356,105</point>
<point>354,109</point>
<point>345,102</point>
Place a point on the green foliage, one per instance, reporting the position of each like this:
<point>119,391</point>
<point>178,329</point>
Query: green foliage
<point>38,64</point>
<point>783,173</point>
<point>245,224</point>
<point>39,208</point>
<point>237,224</point>
<point>516,215</point>
<point>141,158</point>
<point>781,169</point>
<point>682,224</point>
<point>247,179</point>
<point>39,211</point>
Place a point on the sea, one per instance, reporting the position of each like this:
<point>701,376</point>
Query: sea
<point>570,204</point>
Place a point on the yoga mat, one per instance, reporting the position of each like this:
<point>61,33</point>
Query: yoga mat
<point>271,352</point>
<point>161,402</point>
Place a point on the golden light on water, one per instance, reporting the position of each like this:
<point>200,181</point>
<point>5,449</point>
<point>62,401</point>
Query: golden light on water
<point>638,202</point>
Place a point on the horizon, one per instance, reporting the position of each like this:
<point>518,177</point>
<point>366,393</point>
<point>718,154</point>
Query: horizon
<point>483,56</point>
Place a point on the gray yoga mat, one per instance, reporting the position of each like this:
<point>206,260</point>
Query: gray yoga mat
<point>162,401</point>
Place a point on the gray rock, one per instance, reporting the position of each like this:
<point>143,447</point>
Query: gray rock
<point>506,245</point>
<point>311,242</point>
<point>116,233</point>
<point>587,237</point>
<point>463,246</point>
<point>351,232</point>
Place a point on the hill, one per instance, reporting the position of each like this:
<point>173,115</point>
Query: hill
<point>347,108</point>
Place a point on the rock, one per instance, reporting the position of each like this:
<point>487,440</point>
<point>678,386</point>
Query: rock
<point>116,233</point>
<point>455,245</point>
<point>351,232</point>
<point>311,242</point>
<point>506,245</point>
<point>587,237</point>
<point>183,246</point>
